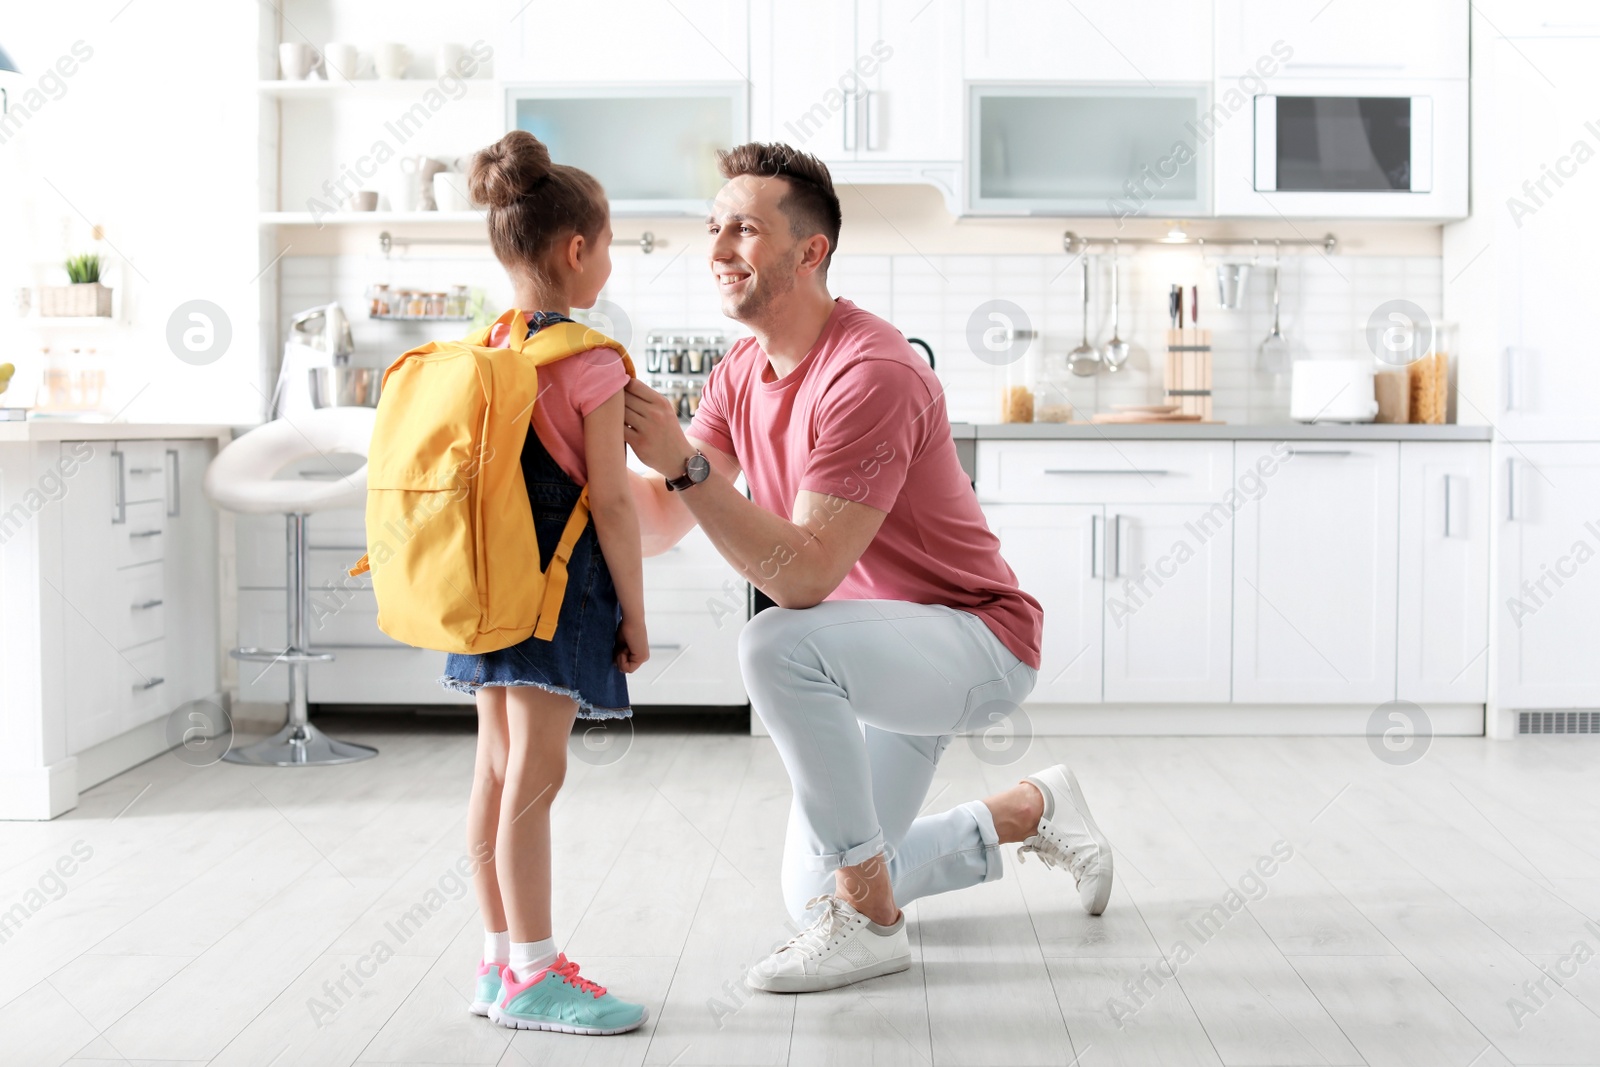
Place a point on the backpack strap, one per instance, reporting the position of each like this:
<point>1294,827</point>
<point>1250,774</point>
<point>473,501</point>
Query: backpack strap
<point>555,576</point>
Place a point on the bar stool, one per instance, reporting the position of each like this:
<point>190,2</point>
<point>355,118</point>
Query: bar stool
<point>243,478</point>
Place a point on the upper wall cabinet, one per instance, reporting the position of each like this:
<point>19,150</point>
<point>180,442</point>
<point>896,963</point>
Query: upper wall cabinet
<point>625,40</point>
<point>1344,39</point>
<point>1537,18</point>
<point>1086,41</point>
<point>858,82</point>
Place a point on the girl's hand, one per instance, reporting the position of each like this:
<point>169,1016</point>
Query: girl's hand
<point>633,645</point>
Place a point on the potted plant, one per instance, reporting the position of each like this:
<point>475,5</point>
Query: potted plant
<point>84,298</point>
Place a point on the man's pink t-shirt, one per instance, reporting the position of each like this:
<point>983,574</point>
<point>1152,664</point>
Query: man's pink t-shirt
<point>863,418</point>
<point>569,390</point>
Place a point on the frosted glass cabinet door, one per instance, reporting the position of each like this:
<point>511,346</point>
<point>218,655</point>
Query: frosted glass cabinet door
<point>652,147</point>
<point>1088,150</point>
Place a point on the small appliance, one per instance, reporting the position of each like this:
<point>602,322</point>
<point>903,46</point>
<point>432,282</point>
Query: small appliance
<point>1333,390</point>
<point>318,337</point>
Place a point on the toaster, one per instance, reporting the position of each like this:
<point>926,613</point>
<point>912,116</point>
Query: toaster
<point>1333,390</point>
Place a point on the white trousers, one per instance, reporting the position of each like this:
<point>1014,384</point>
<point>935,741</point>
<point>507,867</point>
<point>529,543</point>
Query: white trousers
<point>861,698</point>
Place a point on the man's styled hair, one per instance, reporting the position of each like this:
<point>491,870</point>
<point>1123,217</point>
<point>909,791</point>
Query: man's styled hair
<point>811,205</point>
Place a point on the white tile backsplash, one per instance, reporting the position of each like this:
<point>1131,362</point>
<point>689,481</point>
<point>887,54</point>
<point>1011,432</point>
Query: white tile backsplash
<point>1326,302</point>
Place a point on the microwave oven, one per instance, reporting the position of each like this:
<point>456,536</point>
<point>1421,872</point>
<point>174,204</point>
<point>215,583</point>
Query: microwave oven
<point>1350,149</point>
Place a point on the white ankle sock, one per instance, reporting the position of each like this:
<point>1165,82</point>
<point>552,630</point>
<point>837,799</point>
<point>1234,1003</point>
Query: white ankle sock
<point>530,957</point>
<point>497,947</point>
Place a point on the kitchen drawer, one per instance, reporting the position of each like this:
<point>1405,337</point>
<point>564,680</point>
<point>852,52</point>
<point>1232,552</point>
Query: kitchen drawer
<point>144,470</point>
<point>138,605</point>
<point>143,683</point>
<point>1103,472</point>
<point>694,659</point>
<point>140,537</point>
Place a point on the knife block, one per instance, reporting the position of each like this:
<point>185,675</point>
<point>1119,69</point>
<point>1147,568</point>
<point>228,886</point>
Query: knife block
<point>1188,376</point>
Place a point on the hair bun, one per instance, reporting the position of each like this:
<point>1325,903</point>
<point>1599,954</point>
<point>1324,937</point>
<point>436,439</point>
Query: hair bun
<point>508,169</point>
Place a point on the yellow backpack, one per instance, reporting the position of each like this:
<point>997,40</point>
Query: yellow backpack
<point>450,535</point>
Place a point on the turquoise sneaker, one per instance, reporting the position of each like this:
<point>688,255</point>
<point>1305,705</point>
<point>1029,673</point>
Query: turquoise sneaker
<point>488,990</point>
<point>556,998</point>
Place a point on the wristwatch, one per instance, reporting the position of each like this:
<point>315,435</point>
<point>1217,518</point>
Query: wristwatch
<point>697,470</point>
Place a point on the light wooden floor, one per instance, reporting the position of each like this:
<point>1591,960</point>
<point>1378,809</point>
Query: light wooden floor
<point>216,902</point>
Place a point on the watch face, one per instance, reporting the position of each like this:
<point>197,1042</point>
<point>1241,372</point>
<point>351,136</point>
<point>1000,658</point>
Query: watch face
<point>699,468</point>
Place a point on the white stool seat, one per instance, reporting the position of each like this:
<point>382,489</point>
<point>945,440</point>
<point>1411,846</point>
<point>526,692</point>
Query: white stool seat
<point>244,476</point>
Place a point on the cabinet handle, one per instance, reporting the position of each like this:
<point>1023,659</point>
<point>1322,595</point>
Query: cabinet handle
<point>1085,470</point>
<point>174,484</point>
<point>144,533</point>
<point>666,648</point>
<point>119,499</point>
<point>145,470</point>
<point>1511,489</point>
<point>147,605</point>
<point>1447,532</point>
<point>1116,546</point>
<point>1513,397</point>
<point>852,105</point>
<point>1319,451</point>
<point>874,120</point>
<point>1094,545</point>
<point>149,684</point>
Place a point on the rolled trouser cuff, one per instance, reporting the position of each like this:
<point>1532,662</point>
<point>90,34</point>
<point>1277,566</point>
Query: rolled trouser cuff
<point>848,858</point>
<point>991,839</point>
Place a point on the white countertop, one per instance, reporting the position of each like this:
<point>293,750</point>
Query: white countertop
<point>93,430</point>
<point>1195,431</point>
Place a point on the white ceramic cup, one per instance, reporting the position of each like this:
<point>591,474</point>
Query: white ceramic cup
<point>298,60</point>
<point>363,200</point>
<point>405,189</point>
<point>345,59</point>
<point>450,191</point>
<point>449,60</point>
<point>391,59</point>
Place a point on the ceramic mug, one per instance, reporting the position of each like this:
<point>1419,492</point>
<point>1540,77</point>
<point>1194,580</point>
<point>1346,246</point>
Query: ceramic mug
<point>363,200</point>
<point>450,191</point>
<point>345,59</point>
<point>391,60</point>
<point>449,59</point>
<point>405,185</point>
<point>298,61</point>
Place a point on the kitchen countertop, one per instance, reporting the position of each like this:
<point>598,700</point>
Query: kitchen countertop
<point>91,430</point>
<point>1193,431</point>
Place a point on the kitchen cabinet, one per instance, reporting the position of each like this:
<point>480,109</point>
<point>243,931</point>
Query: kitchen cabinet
<point>1546,610</point>
<point>1086,41</point>
<point>1315,575</point>
<point>1536,18</point>
<point>1058,554</point>
<point>139,579</point>
<point>1347,39</point>
<point>1545,228</point>
<point>626,41</point>
<point>1443,624</point>
<point>1119,543</point>
<point>1169,596</point>
<point>858,81</point>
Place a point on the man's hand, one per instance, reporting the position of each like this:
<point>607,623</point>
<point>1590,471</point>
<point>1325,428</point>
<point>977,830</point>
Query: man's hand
<point>650,426</point>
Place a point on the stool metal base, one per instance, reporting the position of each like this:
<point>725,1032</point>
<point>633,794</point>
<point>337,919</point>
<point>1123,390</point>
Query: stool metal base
<point>299,745</point>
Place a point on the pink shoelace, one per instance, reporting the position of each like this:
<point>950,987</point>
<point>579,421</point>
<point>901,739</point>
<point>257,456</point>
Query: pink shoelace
<point>569,974</point>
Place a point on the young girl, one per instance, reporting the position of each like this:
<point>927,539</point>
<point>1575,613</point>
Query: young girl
<point>550,227</point>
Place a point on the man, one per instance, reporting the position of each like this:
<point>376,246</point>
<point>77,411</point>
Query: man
<point>898,624</point>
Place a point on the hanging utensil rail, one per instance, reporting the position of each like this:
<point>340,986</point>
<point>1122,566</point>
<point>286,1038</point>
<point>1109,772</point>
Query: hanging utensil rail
<point>386,241</point>
<point>1074,243</point>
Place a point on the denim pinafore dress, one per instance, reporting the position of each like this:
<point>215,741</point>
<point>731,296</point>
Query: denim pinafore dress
<point>579,660</point>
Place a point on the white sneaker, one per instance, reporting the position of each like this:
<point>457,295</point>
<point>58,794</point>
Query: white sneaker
<point>841,947</point>
<point>1069,837</point>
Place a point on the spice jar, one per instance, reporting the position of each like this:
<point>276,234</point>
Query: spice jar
<point>380,301</point>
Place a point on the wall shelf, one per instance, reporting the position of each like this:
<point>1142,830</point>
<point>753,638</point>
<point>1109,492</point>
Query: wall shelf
<point>368,88</point>
<point>373,218</point>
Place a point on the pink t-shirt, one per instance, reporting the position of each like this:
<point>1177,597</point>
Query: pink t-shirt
<point>569,390</point>
<point>863,418</point>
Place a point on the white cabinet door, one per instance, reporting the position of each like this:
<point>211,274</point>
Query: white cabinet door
<point>191,606</point>
<point>1088,40</point>
<point>1314,576</point>
<point>1548,374</point>
<point>912,107</point>
<point>804,77</point>
<point>1547,608</point>
<point>1058,554</point>
<point>1444,572</point>
<point>1168,625</point>
<point>627,41</point>
<point>1347,39</point>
